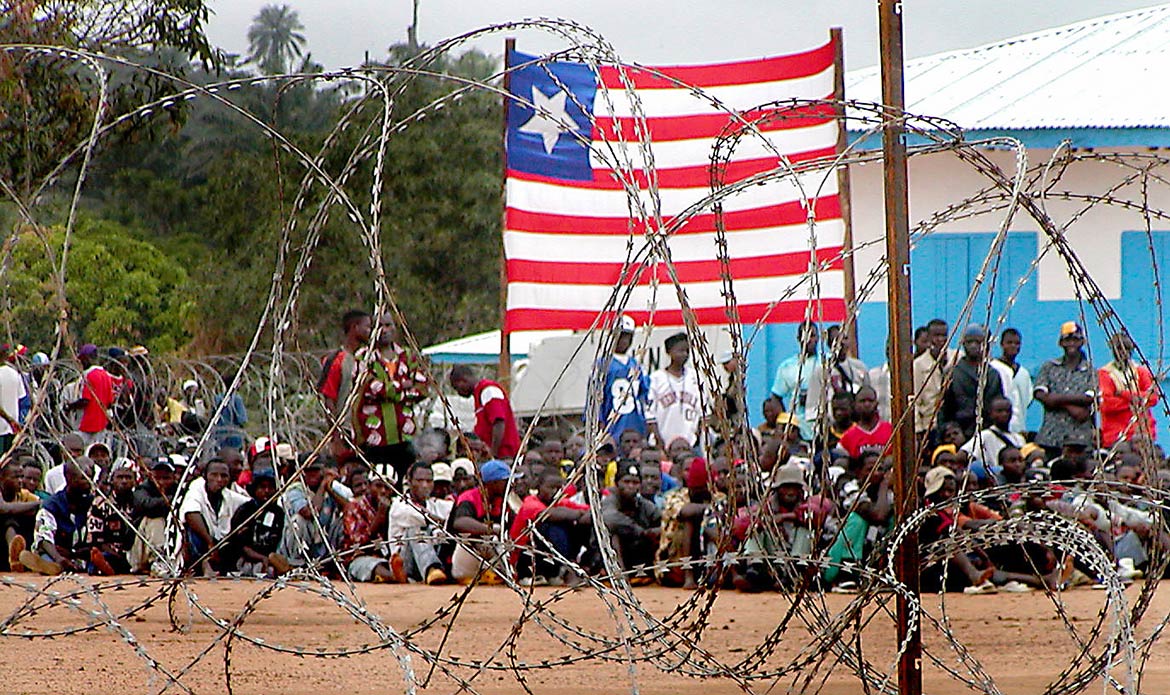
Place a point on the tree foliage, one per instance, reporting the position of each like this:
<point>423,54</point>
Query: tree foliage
<point>119,289</point>
<point>275,39</point>
<point>188,212</point>
<point>48,102</point>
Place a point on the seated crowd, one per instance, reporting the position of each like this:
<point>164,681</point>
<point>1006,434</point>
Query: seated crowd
<point>687,498</point>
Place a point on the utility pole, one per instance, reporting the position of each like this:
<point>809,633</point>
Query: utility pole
<point>905,468</point>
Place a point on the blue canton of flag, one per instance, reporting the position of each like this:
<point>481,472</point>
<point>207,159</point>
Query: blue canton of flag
<point>538,142</point>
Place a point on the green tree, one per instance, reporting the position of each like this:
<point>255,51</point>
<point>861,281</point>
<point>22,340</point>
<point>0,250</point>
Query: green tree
<point>120,289</point>
<point>48,102</point>
<point>275,39</point>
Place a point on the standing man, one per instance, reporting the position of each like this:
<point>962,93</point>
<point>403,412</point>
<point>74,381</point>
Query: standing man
<point>494,423</point>
<point>12,390</point>
<point>624,395</point>
<point>675,409</point>
<point>390,383</point>
<point>339,368</point>
<point>1128,395</point>
<point>792,377</point>
<point>962,401</point>
<point>1017,381</point>
<point>931,370</point>
<point>1067,387</point>
<point>98,391</point>
<point>843,373</point>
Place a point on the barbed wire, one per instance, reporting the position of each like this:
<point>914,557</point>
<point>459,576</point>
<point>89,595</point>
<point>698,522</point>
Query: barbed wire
<point>279,382</point>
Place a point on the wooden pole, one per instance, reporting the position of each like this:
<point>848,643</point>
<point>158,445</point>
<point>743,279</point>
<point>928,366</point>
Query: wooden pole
<point>843,185</point>
<point>504,366</point>
<point>897,205</point>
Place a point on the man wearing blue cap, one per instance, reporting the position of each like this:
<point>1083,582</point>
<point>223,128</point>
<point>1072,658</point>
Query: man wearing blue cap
<point>476,519</point>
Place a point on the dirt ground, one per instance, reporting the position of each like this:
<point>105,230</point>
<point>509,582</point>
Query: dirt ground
<point>1019,639</point>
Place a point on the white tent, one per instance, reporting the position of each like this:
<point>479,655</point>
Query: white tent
<point>557,375</point>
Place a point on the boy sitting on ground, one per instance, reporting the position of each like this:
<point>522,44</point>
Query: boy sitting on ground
<point>257,536</point>
<point>18,510</point>
<point>633,523</point>
<point>111,533</point>
<point>477,518</point>
<point>784,528</point>
<point>59,542</point>
<point>565,526</point>
<point>207,511</point>
<point>364,523</point>
<point>416,521</point>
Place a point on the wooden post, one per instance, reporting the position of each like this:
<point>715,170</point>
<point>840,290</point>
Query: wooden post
<point>843,185</point>
<point>905,485</point>
<point>504,366</point>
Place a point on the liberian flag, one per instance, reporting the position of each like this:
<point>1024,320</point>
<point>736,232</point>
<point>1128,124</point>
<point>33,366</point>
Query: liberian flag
<point>569,222</point>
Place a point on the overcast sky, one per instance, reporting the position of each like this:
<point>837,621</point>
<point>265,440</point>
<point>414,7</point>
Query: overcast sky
<point>340,32</point>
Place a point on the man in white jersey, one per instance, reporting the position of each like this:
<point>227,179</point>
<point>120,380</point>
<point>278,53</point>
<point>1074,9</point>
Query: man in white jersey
<point>675,410</point>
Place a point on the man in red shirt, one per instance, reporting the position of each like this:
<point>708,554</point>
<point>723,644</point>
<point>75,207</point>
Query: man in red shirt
<point>565,526</point>
<point>339,367</point>
<point>338,371</point>
<point>494,422</point>
<point>870,431</point>
<point>98,390</point>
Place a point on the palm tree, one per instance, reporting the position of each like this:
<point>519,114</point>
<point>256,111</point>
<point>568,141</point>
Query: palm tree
<point>275,39</point>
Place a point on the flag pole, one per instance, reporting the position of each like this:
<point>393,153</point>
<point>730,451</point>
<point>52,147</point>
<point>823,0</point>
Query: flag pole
<point>844,191</point>
<point>905,467</point>
<point>504,366</point>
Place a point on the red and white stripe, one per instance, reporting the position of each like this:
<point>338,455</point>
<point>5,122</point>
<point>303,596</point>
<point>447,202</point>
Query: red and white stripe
<point>566,243</point>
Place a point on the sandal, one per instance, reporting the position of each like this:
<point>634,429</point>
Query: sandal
<point>984,588</point>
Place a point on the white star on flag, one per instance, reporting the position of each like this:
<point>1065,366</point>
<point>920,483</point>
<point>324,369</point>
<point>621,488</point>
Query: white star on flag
<point>549,118</point>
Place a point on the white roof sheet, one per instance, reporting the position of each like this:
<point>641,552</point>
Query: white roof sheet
<point>1107,72</point>
<point>487,344</point>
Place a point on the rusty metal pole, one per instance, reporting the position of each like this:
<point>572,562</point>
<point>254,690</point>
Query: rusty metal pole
<point>905,468</point>
<point>504,366</point>
<point>844,187</point>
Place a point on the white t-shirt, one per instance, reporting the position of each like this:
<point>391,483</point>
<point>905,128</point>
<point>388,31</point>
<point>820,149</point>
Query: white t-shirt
<point>407,521</point>
<point>55,478</point>
<point>1017,387</point>
<point>11,391</point>
<point>219,524</point>
<point>985,445</point>
<point>675,406</point>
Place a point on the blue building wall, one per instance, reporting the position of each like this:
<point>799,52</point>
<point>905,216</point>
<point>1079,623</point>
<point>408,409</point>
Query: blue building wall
<point>943,270</point>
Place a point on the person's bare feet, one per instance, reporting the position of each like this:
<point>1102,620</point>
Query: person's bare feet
<point>16,546</point>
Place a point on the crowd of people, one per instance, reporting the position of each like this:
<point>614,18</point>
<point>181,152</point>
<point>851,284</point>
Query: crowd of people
<point>688,493</point>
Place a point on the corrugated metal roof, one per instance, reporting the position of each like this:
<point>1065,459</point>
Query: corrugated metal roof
<point>1109,72</point>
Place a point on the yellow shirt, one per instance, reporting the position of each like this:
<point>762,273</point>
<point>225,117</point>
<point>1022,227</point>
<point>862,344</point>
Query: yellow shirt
<point>175,411</point>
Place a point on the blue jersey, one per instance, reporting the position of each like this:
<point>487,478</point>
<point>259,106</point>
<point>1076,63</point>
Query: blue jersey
<point>626,393</point>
